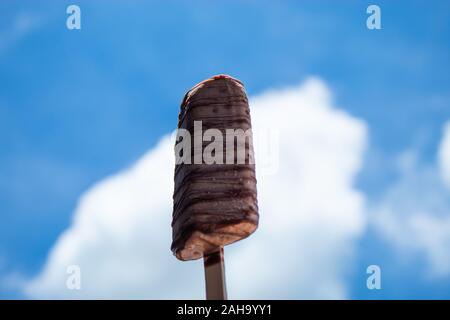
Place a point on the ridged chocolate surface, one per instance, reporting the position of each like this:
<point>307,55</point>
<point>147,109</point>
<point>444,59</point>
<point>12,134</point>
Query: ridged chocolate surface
<point>214,204</point>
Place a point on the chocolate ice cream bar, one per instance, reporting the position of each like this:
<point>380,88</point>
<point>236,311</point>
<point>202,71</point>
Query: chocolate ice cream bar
<point>214,202</point>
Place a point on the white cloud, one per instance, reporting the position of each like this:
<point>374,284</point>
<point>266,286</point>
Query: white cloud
<point>414,212</point>
<point>310,216</point>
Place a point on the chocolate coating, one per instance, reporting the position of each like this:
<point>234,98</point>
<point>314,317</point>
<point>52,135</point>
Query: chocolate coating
<point>214,204</point>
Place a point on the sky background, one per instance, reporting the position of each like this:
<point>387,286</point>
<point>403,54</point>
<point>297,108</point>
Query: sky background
<point>77,106</point>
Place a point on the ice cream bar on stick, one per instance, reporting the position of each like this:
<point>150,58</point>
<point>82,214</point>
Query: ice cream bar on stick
<point>214,201</point>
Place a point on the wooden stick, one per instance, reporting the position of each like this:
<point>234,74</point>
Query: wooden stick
<point>215,276</point>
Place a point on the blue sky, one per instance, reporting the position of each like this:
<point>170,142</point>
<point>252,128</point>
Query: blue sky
<point>79,105</point>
